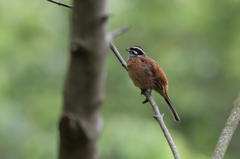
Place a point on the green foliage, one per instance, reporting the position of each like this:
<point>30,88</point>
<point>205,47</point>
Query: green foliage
<point>195,42</point>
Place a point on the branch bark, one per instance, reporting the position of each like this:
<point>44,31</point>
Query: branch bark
<point>80,123</point>
<point>228,131</point>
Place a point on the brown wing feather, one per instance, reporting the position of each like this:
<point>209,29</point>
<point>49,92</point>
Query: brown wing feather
<point>161,86</point>
<point>160,80</point>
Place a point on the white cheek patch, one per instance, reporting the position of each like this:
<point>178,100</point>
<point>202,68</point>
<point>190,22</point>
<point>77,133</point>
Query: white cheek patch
<point>134,52</point>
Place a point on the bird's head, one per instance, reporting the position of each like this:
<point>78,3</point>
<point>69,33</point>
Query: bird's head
<point>136,51</point>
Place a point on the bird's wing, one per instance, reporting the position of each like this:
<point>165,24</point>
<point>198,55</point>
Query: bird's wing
<point>153,68</point>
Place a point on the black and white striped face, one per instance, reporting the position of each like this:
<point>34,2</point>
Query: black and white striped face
<point>136,51</point>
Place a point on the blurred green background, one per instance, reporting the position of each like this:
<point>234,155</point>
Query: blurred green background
<point>197,43</point>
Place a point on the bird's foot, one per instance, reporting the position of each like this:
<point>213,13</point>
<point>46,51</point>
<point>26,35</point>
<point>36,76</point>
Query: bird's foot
<point>142,93</point>
<point>145,101</point>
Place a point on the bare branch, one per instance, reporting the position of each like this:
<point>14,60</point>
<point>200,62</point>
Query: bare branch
<point>115,51</point>
<point>228,130</point>
<point>60,3</point>
<point>157,116</point>
<point>120,31</point>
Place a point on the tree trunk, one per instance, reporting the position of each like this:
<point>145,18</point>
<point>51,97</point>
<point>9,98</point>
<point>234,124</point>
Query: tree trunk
<point>80,123</point>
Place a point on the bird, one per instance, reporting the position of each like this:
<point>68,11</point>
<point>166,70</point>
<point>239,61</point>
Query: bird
<point>148,75</point>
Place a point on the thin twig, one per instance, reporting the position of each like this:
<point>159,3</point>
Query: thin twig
<point>228,130</point>
<point>120,31</point>
<point>60,3</point>
<point>158,116</point>
<point>115,51</point>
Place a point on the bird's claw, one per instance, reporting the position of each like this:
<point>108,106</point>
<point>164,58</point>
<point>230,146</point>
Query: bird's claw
<point>142,93</point>
<point>145,101</point>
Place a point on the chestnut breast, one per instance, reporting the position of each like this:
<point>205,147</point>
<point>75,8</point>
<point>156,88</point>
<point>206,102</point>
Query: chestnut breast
<point>147,74</point>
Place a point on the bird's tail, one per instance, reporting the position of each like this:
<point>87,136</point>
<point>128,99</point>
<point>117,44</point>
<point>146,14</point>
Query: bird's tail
<point>173,111</point>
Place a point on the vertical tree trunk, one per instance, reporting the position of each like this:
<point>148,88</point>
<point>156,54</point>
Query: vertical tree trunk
<point>80,123</point>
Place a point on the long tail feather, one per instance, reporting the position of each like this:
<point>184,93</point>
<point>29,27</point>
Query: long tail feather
<point>173,111</point>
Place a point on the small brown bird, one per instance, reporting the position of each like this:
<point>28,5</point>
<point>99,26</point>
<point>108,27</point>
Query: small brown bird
<point>147,74</point>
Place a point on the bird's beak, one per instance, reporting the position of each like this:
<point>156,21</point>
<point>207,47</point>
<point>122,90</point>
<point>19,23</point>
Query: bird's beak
<point>128,49</point>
